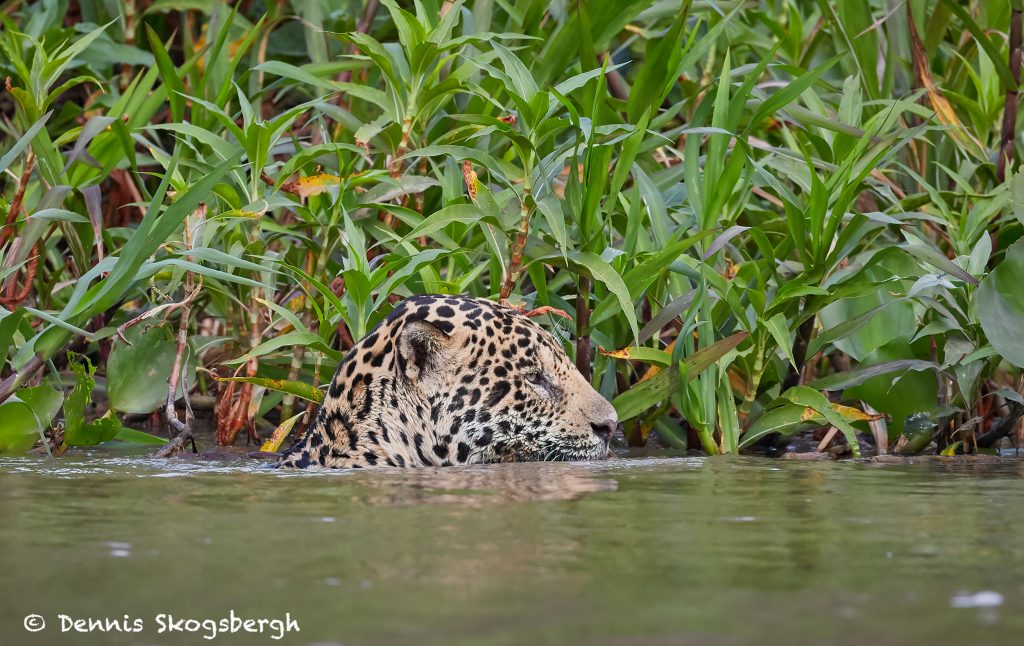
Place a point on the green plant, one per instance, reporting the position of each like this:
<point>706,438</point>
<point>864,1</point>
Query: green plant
<point>763,218</point>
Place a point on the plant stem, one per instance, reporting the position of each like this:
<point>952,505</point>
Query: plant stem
<point>11,383</point>
<point>7,231</point>
<point>803,339</point>
<point>299,355</point>
<point>183,430</point>
<point>582,328</point>
<point>1009,134</point>
<point>516,262</point>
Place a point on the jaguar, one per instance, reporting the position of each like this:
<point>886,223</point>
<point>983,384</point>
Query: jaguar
<point>446,380</point>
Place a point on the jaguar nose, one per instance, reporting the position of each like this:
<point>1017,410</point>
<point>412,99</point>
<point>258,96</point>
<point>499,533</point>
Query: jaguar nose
<point>606,429</point>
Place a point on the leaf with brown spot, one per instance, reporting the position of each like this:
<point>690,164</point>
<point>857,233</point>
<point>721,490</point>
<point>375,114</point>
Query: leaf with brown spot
<point>297,388</point>
<point>852,414</point>
<point>788,418</point>
<point>640,353</point>
<point>273,442</point>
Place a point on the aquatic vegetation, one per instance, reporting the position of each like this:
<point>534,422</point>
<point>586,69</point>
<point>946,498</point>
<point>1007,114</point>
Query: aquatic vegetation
<point>763,218</point>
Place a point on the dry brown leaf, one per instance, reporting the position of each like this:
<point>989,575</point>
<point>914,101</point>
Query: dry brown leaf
<point>943,109</point>
<point>469,175</point>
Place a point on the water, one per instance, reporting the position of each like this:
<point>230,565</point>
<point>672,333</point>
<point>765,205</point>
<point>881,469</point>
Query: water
<point>627,552</point>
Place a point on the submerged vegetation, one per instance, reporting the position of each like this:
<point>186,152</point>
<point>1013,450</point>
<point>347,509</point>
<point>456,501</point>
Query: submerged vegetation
<point>761,218</point>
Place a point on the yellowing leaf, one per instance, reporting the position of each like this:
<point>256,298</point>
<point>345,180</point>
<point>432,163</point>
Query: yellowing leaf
<point>297,388</point>
<point>273,442</point>
<point>654,370</point>
<point>849,413</point>
<point>311,185</point>
<point>640,353</point>
<point>852,414</point>
<point>951,449</point>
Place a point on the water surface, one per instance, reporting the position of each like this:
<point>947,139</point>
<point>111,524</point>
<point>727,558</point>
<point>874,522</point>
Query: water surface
<point>629,551</point>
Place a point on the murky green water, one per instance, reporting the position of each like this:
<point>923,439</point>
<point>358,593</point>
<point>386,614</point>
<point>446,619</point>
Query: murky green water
<point>654,551</point>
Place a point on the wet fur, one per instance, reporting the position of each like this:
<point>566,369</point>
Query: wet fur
<point>455,380</point>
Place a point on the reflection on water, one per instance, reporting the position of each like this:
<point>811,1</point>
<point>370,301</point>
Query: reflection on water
<point>479,486</point>
<point>652,551</point>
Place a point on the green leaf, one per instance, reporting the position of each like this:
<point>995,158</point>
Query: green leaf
<point>288,339</point>
<point>652,391</point>
<point>603,272</point>
<point>551,209</point>
<point>997,60</point>
<point>777,327</point>
<point>297,388</point>
<point>99,430</point>
<point>76,431</point>
<point>857,376</point>
<point>78,399</point>
<point>137,374</point>
<point>169,74</point>
<point>896,394</point>
<point>59,215</point>
<point>156,227</point>
<point>464,213</point>
<point>289,71</point>
<point>522,81</point>
<point>861,325</point>
<point>23,143</point>
<point>501,168</point>
<point>414,264</point>
<point>125,434</point>
<point>791,92</point>
<point>410,31</point>
<point>1000,299</point>
<point>64,56</point>
<point>25,416</point>
<point>8,326</point>
<point>785,419</point>
<point>811,398</point>
<point>659,71</point>
<point>937,259</point>
<point>641,277</point>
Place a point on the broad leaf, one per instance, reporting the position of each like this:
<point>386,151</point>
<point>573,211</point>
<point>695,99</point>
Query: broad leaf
<point>1001,305</point>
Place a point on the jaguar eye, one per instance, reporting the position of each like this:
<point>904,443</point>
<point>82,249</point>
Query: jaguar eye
<point>534,377</point>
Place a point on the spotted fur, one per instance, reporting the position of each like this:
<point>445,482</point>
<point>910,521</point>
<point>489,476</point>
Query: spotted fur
<point>450,380</point>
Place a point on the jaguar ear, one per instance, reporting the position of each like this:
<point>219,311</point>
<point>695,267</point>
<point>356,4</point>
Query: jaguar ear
<point>420,348</point>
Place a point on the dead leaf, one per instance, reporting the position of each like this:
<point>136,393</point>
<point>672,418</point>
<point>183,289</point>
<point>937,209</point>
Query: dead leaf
<point>469,175</point>
<point>303,187</point>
